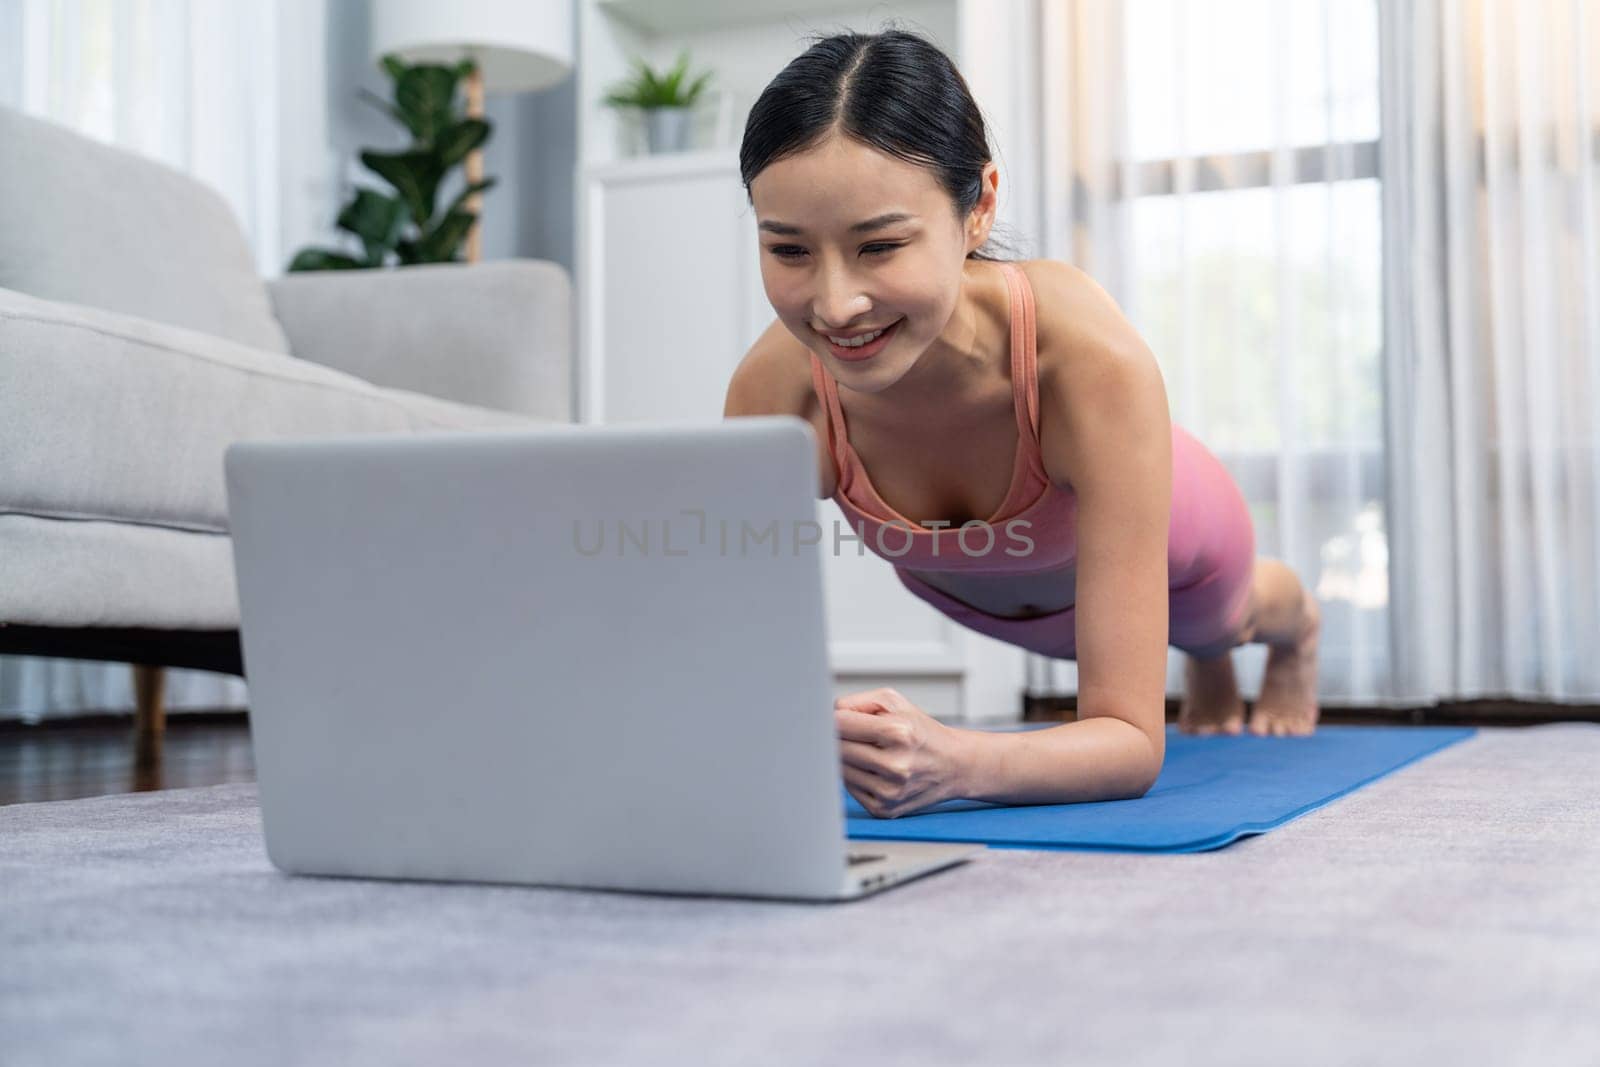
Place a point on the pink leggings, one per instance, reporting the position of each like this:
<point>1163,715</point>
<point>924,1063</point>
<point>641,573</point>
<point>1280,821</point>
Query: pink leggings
<point>1211,553</point>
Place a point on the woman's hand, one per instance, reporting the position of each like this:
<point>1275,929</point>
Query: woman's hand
<point>897,758</point>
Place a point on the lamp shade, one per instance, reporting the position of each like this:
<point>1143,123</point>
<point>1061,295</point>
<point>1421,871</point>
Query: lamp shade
<point>519,46</point>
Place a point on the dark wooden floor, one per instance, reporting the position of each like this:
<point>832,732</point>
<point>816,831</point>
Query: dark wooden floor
<point>97,755</point>
<point>60,760</point>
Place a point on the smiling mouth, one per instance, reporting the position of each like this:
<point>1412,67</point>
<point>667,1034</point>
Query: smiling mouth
<point>854,336</point>
<point>861,352</point>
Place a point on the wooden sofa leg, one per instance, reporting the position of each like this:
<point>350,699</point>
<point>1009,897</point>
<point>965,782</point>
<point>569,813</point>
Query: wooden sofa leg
<point>149,693</point>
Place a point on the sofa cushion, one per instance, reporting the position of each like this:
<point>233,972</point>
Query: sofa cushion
<point>87,223</point>
<point>111,417</point>
<point>88,573</point>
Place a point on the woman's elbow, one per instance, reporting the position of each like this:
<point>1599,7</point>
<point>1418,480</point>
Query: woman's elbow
<point>1149,771</point>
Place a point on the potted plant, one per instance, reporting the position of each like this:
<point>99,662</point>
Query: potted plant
<point>665,100</point>
<point>406,224</point>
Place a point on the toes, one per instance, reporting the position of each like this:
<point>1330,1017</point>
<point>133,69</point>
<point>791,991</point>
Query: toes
<point>1266,724</point>
<point>1210,728</point>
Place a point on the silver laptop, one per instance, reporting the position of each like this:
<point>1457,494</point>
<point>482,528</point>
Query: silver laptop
<point>587,656</point>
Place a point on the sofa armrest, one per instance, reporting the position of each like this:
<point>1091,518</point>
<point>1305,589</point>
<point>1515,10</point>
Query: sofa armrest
<point>497,335</point>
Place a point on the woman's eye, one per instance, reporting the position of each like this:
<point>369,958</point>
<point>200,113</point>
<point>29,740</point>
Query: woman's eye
<point>794,251</point>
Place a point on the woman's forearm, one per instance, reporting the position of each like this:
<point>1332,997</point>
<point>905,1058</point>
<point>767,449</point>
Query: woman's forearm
<point>1099,758</point>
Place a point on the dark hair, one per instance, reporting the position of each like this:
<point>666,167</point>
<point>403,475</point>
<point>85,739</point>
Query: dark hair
<point>894,91</point>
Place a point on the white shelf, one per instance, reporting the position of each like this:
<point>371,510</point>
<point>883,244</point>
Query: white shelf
<point>659,17</point>
<point>742,43</point>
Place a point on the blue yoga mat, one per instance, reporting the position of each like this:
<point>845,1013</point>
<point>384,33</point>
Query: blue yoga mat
<point>1212,791</point>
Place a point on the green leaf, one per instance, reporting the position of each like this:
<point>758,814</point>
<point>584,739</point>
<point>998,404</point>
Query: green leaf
<point>440,244</point>
<point>474,187</point>
<point>376,219</point>
<point>675,77</point>
<point>459,139</point>
<point>324,259</point>
<point>647,89</point>
<point>425,95</point>
<point>694,90</point>
<point>381,104</point>
<point>393,66</point>
<point>415,176</point>
<point>407,251</point>
<point>647,77</point>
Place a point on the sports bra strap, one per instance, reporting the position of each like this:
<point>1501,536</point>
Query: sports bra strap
<point>1024,355</point>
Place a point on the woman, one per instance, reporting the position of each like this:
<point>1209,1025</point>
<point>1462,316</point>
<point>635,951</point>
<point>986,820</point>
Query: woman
<point>1009,398</point>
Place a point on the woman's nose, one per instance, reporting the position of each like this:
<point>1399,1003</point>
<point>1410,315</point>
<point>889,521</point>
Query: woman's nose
<point>839,302</point>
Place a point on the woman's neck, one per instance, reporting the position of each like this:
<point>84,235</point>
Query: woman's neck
<point>960,367</point>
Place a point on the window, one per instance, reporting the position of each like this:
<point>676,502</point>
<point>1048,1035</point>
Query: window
<point>1256,266</point>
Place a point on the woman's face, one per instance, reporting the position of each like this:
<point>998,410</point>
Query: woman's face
<point>826,277</point>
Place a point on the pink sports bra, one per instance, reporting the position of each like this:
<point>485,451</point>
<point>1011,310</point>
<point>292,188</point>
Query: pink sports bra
<point>1035,528</point>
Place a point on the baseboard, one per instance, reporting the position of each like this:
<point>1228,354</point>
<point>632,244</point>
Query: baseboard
<point>1035,709</point>
<point>1454,713</point>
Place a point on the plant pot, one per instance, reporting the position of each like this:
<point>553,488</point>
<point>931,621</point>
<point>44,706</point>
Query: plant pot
<point>667,128</point>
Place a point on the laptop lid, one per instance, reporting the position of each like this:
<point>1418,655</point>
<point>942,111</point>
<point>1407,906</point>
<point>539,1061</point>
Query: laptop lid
<point>590,656</point>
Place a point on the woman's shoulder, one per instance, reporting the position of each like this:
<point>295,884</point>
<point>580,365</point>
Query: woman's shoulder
<point>1078,326</point>
<point>1071,309</point>
<point>774,377</point>
<point>1084,343</point>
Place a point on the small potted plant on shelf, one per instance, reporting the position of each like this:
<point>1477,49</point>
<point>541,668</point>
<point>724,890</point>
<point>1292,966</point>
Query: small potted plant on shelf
<point>665,100</point>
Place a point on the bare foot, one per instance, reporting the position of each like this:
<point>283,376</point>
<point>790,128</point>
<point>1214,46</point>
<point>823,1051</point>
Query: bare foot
<point>1211,701</point>
<point>1287,706</point>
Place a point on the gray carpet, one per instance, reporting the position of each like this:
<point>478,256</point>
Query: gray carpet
<point>1448,913</point>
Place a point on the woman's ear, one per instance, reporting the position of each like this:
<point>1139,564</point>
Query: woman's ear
<point>981,219</point>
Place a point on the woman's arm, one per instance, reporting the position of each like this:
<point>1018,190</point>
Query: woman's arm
<point>898,759</point>
<point>1106,434</point>
<point>1099,758</point>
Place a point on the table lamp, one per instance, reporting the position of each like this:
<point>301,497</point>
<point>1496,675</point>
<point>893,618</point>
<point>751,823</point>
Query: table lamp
<point>516,47</point>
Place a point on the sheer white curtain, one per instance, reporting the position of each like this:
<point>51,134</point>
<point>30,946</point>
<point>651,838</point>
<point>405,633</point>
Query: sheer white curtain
<point>1361,240</point>
<point>229,92</point>
<point>1492,168</point>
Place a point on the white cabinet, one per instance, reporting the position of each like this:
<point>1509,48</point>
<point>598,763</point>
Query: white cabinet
<point>671,287</point>
<point>671,298</point>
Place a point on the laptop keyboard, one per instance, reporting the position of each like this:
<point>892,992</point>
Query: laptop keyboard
<point>854,858</point>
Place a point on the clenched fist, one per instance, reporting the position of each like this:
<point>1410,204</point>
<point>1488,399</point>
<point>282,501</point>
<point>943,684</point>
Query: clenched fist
<point>897,758</point>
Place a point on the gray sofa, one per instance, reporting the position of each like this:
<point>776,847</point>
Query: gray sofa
<point>137,341</point>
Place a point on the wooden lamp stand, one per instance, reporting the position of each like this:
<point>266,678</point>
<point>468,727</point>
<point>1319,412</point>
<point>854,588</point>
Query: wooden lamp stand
<point>475,165</point>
